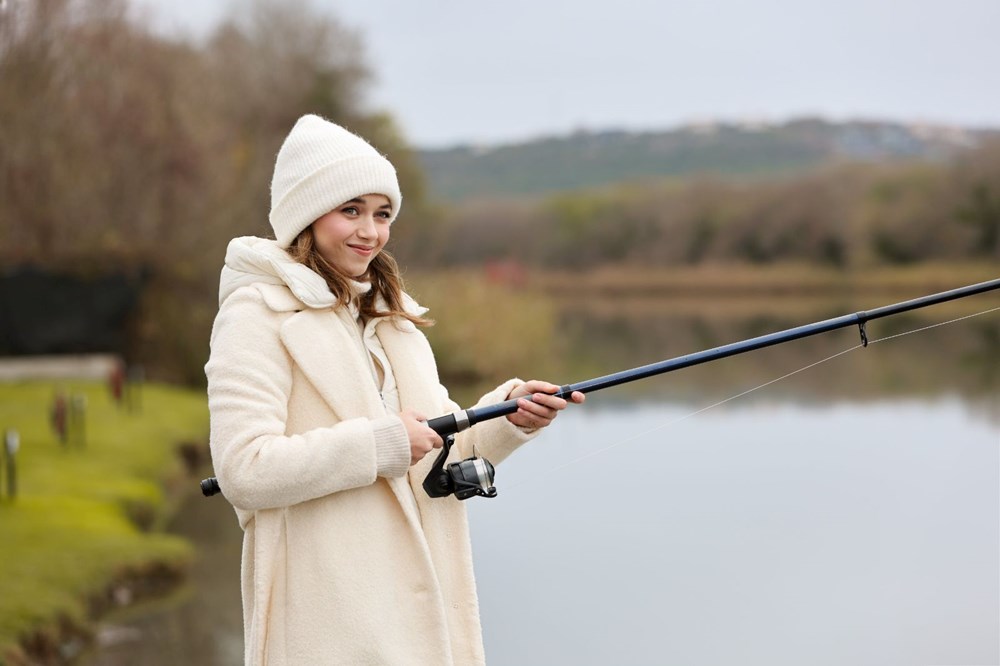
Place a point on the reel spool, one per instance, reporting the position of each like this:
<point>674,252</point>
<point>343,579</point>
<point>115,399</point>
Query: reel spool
<point>467,478</point>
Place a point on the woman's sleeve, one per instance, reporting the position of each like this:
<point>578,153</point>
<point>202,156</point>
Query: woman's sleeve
<point>249,384</point>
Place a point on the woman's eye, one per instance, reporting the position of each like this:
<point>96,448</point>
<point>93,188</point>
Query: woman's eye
<point>384,214</point>
<point>350,210</point>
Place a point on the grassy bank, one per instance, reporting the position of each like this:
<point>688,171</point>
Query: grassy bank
<point>796,280</point>
<point>83,531</point>
<point>486,331</point>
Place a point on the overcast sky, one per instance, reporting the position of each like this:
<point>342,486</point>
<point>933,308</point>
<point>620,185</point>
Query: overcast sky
<point>458,71</point>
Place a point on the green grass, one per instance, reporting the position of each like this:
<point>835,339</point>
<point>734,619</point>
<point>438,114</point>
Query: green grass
<point>88,516</point>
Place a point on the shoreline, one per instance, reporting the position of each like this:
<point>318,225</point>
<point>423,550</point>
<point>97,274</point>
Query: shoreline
<point>63,640</point>
<point>87,528</point>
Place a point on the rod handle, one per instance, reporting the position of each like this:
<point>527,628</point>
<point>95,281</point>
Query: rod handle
<point>210,487</point>
<point>443,425</point>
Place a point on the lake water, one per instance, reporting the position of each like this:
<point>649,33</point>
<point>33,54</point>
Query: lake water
<point>848,514</point>
<point>759,534</point>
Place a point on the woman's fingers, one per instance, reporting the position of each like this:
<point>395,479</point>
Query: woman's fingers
<point>422,438</point>
<point>538,409</point>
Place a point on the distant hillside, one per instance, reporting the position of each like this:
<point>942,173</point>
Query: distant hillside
<point>591,159</point>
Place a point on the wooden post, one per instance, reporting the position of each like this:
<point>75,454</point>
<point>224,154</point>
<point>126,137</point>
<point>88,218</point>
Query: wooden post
<point>12,442</point>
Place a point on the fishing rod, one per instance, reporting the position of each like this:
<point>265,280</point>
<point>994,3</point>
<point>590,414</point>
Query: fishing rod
<point>474,476</point>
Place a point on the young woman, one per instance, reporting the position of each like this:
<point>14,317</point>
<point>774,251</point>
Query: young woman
<point>319,383</point>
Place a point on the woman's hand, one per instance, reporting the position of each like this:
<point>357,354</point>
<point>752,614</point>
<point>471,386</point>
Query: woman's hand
<point>542,408</point>
<point>423,440</point>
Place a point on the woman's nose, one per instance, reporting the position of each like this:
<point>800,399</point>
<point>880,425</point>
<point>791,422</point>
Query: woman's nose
<point>366,226</point>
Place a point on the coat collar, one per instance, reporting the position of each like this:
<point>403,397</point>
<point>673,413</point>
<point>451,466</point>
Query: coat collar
<point>327,346</point>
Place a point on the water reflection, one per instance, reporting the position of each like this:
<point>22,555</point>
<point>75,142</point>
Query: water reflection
<point>963,356</point>
<point>845,515</point>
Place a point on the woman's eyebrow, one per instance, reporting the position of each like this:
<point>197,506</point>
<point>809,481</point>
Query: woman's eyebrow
<point>361,200</point>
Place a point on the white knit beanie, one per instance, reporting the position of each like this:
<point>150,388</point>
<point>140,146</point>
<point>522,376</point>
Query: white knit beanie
<point>319,167</point>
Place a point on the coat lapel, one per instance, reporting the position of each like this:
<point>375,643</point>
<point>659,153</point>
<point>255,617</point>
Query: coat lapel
<point>412,364</point>
<point>329,354</point>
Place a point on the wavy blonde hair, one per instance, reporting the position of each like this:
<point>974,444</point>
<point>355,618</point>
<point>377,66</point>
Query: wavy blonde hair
<point>383,273</point>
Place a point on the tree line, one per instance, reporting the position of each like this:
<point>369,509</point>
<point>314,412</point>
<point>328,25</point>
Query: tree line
<point>842,216</point>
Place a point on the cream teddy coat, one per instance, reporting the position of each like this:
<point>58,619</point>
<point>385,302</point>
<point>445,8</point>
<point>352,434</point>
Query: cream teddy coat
<point>340,565</point>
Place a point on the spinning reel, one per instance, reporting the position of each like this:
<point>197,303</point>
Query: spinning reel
<point>465,479</point>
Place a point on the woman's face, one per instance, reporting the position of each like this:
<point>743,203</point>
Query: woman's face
<point>352,234</point>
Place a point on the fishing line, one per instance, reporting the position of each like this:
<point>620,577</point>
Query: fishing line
<point>677,420</point>
<point>927,328</point>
